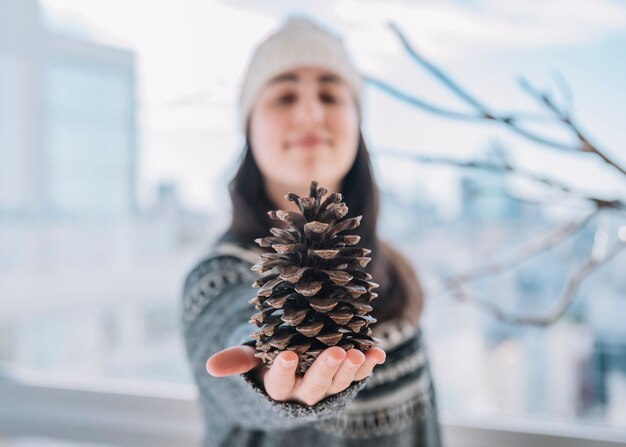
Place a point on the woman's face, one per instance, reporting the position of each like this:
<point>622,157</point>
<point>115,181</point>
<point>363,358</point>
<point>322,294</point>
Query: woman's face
<point>304,126</point>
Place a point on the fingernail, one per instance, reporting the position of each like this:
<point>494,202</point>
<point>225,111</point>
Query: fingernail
<point>287,363</point>
<point>332,362</point>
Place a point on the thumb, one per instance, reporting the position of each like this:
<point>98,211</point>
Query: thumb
<point>233,360</point>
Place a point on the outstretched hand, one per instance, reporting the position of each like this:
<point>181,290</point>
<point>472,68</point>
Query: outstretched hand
<point>331,372</point>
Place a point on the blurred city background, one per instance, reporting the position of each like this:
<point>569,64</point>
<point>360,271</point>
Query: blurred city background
<point>118,137</point>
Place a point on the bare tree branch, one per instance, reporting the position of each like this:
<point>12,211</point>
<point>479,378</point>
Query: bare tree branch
<point>405,97</point>
<point>585,145</point>
<point>533,248</point>
<point>561,304</point>
<point>439,74</point>
<point>510,120</point>
<point>505,168</point>
<point>483,115</point>
<point>559,115</point>
<point>567,99</point>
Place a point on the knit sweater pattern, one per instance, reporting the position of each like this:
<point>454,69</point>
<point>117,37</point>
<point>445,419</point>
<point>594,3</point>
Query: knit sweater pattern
<point>393,406</point>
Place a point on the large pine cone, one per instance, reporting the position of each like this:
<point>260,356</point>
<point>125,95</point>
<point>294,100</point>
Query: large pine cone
<point>316,293</point>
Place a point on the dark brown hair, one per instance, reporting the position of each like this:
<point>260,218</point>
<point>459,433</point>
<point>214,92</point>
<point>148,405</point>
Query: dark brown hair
<point>399,294</point>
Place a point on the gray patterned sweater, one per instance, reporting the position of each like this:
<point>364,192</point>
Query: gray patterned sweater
<point>394,406</point>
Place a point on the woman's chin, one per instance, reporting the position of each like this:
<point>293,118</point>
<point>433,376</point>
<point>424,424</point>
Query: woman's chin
<point>300,180</point>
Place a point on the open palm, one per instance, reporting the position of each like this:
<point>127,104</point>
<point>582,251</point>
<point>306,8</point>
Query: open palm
<point>332,372</point>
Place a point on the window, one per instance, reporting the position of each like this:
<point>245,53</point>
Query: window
<point>117,141</point>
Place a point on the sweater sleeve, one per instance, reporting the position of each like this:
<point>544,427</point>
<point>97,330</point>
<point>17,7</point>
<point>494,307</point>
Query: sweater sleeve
<point>216,316</point>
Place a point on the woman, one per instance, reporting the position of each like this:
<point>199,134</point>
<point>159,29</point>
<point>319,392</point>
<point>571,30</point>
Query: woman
<point>300,110</point>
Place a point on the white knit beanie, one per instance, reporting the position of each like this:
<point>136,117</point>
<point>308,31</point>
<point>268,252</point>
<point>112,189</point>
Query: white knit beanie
<point>300,42</point>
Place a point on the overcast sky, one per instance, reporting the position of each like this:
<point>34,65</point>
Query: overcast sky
<point>191,55</point>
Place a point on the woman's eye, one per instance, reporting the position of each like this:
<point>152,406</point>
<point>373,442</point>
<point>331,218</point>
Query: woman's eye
<point>286,99</point>
<point>328,98</point>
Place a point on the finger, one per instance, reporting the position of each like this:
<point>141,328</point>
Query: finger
<point>319,377</point>
<point>280,379</point>
<point>345,375</point>
<point>233,360</point>
<point>373,357</point>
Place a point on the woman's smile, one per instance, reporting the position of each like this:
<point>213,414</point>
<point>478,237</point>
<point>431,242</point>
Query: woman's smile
<point>304,125</point>
<point>309,142</point>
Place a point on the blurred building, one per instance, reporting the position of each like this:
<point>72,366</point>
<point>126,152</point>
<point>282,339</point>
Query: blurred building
<point>485,199</point>
<point>403,216</point>
<point>608,377</point>
<point>67,122</point>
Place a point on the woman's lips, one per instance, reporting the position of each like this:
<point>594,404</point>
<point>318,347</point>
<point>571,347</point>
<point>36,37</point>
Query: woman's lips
<point>309,142</point>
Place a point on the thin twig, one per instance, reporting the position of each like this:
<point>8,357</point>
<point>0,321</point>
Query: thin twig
<point>540,245</point>
<point>561,304</point>
<point>509,120</point>
<point>567,98</point>
<point>585,144</point>
<point>405,97</point>
<point>439,74</point>
<point>504,168</point>
<point>483,112</point>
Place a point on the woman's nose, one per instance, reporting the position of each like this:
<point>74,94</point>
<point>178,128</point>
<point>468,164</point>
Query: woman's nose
<point>309,111</point>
